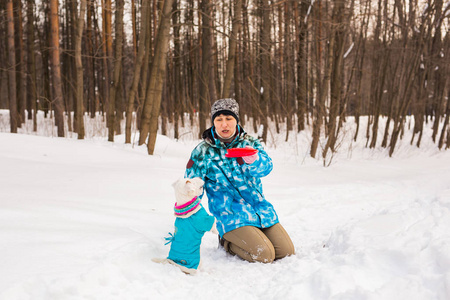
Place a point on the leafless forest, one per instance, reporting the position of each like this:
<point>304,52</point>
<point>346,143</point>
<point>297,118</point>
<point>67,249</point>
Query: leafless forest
<point>292,62</point>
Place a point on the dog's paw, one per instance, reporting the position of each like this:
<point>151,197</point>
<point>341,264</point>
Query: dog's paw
<point>160,260</point>
<point>214,228</point>
<point>183,268</point>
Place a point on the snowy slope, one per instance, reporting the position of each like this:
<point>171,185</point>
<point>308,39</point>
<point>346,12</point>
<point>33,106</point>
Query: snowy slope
<point>82,220</point>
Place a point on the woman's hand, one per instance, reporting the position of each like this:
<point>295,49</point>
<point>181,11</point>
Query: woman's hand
<point>250,159</point>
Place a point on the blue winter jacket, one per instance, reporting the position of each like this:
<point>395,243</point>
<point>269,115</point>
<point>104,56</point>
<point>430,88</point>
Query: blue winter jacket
<point>234,189</point>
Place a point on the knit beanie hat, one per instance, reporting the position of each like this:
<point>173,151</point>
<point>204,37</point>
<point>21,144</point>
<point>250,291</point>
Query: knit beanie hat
<point>227,106</point>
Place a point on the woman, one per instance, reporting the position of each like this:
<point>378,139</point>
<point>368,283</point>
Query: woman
<point>247,223</point>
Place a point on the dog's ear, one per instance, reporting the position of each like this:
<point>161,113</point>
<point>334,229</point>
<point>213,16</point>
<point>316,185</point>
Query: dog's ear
<point>174,185</point>
<point>188,185</point>
<point>181,182</point>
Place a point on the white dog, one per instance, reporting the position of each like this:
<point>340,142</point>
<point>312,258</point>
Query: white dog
<point>191,223</point>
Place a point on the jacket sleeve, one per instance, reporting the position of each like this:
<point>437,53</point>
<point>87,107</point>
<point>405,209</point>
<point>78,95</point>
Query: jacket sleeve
<point>263,165</point>
<point>197,164</point>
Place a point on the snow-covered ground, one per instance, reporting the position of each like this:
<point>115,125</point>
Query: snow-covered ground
<point>82,220</point>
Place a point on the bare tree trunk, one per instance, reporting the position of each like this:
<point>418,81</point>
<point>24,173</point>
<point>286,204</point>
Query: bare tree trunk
<point>189,62</point>
<point>265,65</point>
<point>322,81</point>
<point>302,72</point>
<point>407,77</point>
<point>20,63</point>
<point>79,68</point>
<point>290,83</point>
<point>133,26</point>
<point>68,70</point>
<point>143,36</point>
<point>226,90</point>
<point>214,85</point>
<point>238,80</point>
<point>405,100</point>
<point>359,63</point>
<point>446,73</point>
<point>250,93</point>
<point>119,98</point>
<point>337,43</point>
<point>13,117</point>
<point>419,108</point>
<point>205,88</point>
<point>90,61</point>
<point>149,123</point>
<point>149,41</point>
<point>439,69</point>
<point>31,60</point>
<point>117,70</point>
<point>107,23</point>
<point>56,68</point>
<point>44,46</point>
<point>445,125</point>
<point>379,67</point>
<point>107,52</point>
<point>178,95</point>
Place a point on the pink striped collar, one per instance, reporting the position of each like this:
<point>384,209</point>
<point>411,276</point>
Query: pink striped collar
<point>187,207</point>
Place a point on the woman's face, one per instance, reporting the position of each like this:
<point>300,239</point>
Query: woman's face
<point>225,125</point>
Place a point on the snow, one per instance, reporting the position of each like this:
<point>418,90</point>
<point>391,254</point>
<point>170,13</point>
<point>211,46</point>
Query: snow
<point>447,9</point>
<point>83,219</point>
<point>349,50</point>
<point>424,10</point>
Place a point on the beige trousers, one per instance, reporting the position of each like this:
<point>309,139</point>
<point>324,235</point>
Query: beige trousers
<point>259,244</point>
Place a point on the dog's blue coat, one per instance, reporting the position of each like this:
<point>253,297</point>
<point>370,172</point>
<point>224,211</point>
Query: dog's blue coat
<point>185,248</point>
